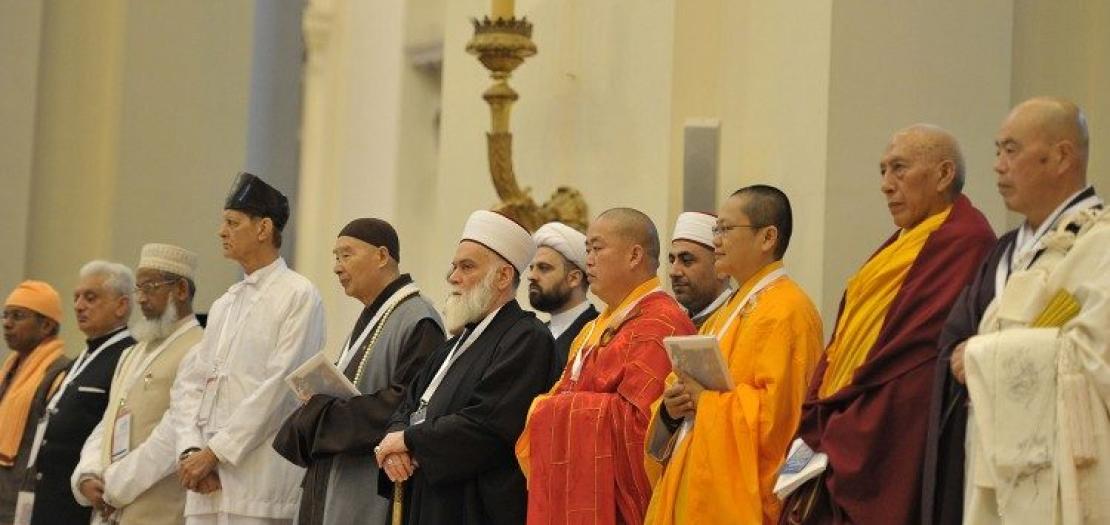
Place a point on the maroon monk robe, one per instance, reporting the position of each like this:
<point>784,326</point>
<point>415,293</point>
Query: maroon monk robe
<point>873,430</point>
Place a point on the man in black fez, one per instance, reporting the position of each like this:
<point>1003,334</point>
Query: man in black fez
<point>396,332</point>
<point>259,331</point>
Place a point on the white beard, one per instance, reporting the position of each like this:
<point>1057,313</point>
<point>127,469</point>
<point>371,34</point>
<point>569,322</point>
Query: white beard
<point>470,305</point>
<point>146,330</point>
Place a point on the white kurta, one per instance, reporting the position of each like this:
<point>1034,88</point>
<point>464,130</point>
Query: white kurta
<point>260,330</point>
<point>1039,431</point>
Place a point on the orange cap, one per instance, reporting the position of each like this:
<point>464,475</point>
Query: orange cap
<point>37,296</point>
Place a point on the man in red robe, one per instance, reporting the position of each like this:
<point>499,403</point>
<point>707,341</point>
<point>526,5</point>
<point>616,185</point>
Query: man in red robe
<point>583,445</point>
<point>867,408</point>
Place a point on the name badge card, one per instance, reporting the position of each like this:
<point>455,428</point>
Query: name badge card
<point>121,434</point>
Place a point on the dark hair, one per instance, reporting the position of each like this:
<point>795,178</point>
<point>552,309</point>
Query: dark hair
<point>768,206</point>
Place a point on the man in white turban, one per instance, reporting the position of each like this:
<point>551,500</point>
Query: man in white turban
<point>451,440</point>
<point>557,285</point>
<point>694,282</point>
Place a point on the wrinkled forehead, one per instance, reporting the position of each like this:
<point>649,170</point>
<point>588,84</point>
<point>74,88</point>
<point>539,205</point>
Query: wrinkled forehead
<point>472,251</point>
<point>681,246</point>
<point>92,283</point>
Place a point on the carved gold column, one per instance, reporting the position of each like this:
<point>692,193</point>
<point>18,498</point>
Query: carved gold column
<point>501,45</point>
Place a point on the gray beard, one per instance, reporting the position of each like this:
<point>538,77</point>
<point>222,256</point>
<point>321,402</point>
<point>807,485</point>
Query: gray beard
<point>461,310</point>
<point>146,330</point>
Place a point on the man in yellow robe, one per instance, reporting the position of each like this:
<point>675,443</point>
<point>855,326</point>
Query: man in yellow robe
<point>720,451</point>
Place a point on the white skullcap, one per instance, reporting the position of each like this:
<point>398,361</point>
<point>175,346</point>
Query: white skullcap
<point>168,258</point>
<point>500,234</point>
<point>695,226</point>
<point>568,241</point>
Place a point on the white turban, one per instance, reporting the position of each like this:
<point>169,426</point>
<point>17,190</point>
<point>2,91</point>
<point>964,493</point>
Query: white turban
<point>568,241</point>
<point>500,234</point>
<point>695,226</point>
<point>168,258</point>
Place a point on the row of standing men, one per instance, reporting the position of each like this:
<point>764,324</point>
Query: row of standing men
<point>488,415</point>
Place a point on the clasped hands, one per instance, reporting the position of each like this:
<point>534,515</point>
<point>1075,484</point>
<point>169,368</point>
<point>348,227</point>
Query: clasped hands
<point>681,398</point>
<point>393,457</point>
<point>93,490</point>
<point>198,473</point>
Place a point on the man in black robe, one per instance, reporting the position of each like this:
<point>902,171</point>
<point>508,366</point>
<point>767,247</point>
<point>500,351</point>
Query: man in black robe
<point>102,302</point>
<point>451,441</point>
<point>396,332</point>
<point>1036,180</point>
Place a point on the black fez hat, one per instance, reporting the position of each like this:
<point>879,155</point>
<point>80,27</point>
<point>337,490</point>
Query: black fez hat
<point>252,195</point>
<point>374,232</point>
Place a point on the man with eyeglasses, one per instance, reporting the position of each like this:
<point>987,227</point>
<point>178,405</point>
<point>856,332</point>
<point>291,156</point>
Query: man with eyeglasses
<point>720,451</point>
<point>126,462</point>
<point>32,316</point>
<point>695,283</point>
<point>102,304</point>
<point>867,410</point>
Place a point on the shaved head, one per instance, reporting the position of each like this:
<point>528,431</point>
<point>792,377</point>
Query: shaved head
<point>637,228</point>
<point>1056,120</point>
<point>937,145</point>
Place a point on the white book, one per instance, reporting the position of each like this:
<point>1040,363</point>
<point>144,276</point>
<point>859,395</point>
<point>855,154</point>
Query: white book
<point>802,464</point>
<point>319,375</point>
<point>699,357</point>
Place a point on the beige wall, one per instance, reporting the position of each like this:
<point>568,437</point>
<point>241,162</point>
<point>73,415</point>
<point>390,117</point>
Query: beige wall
<point>141,124</point>
<point>1062,49</point>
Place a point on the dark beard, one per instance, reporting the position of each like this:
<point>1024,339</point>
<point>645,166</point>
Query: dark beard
<point>548,301</point>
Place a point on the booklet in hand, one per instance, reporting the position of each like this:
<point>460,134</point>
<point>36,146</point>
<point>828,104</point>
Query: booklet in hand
<point>319,375</point>
<point>699,357</point>
<point>802,464</point>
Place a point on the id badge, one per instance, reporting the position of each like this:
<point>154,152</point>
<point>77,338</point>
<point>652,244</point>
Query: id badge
<point>419,416</point>
<point>24,504</point>
<point>208,399</point>
<point>121,434</point>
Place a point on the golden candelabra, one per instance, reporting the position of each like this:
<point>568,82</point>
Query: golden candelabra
<point>501,45</point>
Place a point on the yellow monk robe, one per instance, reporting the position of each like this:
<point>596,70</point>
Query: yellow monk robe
<point>724,470</point>
<point>867,300</point>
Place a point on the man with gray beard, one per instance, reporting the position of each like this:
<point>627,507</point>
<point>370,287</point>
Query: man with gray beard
<point>125,466</point>
<point>451,440</point>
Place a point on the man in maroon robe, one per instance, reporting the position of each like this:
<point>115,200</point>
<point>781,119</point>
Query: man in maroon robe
<point>873,427</point>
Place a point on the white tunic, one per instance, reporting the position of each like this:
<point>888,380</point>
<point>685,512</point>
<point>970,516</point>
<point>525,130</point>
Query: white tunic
<point>260,330</point>
<point>1039,431</point>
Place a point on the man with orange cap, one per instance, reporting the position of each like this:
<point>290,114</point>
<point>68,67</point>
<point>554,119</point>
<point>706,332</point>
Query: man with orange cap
<point>32,316</point>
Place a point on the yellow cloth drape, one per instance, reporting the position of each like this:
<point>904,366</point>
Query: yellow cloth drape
<point>866,301</point>
<point>589,336</point>
<point>15,407</point>
<point>725,468</point>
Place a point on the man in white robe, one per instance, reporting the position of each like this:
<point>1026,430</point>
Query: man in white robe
<point>259,331</point>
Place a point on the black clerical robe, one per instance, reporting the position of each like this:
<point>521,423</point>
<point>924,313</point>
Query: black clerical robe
<point>468,473</point>
<point>327,430</point>
<point>562,343</point>
<point>79,409</point>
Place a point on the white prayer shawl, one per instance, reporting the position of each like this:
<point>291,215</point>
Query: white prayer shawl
<point>1039,432</point>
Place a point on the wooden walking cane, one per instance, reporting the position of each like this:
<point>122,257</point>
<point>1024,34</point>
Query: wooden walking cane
<point>398,496</point>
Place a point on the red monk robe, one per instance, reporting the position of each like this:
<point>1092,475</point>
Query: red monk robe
<point>873,430</point>
<point>582,448</point>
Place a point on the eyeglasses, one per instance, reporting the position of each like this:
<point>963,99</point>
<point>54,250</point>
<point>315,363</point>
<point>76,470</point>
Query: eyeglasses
<point>149,288</point>
<point>719,230</point>
<point>18,315</point>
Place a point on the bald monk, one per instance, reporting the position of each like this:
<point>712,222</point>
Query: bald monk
<point>867,407</point>
<point>722,467</point>
<point>1042,151</point>
<point>582,447</point>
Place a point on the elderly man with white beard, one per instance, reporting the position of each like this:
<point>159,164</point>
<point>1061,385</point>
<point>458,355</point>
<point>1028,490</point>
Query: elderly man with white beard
<point>451,440</point>
<point>125,466</point>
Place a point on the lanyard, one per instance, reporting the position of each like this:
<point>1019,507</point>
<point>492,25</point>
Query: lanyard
<point>133,374</point>
<point>350,349</point>
<point>456,352</point>
<point>583,351</point>
<point>1023,252</point>
<point>83,361</point>
<point>758,287</point>
<point>720,300</point>
<point>227,333</point>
